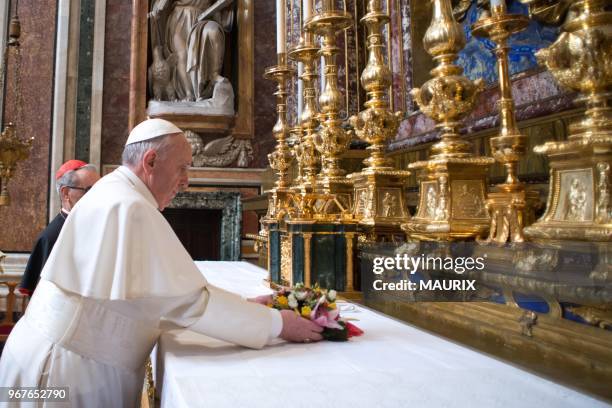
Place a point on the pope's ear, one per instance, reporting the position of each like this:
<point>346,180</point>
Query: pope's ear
<point>148,159</point>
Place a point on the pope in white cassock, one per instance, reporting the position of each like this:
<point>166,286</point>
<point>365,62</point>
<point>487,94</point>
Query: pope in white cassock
<point>116,273</point>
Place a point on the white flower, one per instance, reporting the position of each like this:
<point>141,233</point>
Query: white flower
<point>299,295</point>
<point>331,295</point>
<point>293,303</point>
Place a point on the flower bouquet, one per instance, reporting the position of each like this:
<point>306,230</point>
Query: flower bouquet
<point>318,305</point>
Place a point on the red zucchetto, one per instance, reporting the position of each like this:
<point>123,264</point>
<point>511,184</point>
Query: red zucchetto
<point>68,166</point>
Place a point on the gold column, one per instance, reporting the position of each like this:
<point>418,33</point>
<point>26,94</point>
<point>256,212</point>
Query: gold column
<point>511,207</point>
<point>379,189</point>
<point>350,284</point>
<point>579,202</point>
<point>331,140</point>
<point>307,258</point>
<point>452,183</point>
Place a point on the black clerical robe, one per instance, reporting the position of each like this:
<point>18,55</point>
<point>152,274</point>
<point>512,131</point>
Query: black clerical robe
<point>40,253</point>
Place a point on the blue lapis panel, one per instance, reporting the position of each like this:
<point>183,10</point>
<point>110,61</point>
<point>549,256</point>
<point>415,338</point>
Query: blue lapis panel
<point>531,302</point>
<point>478,60</point>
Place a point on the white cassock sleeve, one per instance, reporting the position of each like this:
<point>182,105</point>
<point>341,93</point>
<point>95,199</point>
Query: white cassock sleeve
<point>226,316</point>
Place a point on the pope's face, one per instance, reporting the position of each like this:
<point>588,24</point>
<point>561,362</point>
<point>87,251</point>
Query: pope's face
<point>169,174</point>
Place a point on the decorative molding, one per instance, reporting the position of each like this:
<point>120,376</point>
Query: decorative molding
<point>4,19</point>
<point>66,14</point>
<point>97,84</point>
<point>231,217</point>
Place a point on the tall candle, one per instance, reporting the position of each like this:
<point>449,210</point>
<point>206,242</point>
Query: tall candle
<point>307,9</point>
<point>300,101</point>
<point>281,27</point>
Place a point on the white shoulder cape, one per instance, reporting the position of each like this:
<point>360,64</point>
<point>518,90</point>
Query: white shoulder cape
<point>115,244</point>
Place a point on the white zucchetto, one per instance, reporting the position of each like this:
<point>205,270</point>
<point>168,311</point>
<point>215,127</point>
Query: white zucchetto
<point>150,129</point>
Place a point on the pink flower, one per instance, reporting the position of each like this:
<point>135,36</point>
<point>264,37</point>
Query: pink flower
<point>325,317</point>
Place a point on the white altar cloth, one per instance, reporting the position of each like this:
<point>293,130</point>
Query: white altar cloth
<point>392,365</point>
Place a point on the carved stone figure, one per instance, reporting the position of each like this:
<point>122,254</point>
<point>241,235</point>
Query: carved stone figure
<point>161,73</point>
<point>192,33</point>
<point>220,152</point>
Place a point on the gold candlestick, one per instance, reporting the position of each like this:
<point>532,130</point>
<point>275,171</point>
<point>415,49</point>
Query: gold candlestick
<point>511,208</point>
<point>379,189</point>
<point>306,153</point>
<point>294,142</point>
<point>579,202</point>
<point>280,158</point>
<point>12,148</point>
<point>332,140</point>
<point>452,183</point>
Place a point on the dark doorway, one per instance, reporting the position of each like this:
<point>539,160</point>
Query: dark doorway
<point>199,231</point>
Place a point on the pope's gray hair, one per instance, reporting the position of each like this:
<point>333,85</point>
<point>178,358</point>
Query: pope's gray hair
<point>69,178</point>
<point>134,152</point>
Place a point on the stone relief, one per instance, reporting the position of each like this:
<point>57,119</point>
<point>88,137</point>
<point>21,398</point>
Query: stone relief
<point>220,152</point>
<point>188,44</point>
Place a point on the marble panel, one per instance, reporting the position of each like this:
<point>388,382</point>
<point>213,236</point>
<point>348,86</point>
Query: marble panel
<point>265,104</point>
<point>22,221</point>
<point>115,110</point>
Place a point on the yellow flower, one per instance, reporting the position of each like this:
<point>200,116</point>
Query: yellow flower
<point>332,305</point>
<point>306,311</point>
<point>282,300</point>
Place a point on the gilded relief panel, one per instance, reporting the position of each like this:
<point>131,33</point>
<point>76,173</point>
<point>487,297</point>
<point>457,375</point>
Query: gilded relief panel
<point>468,199</point>
<point>428,200</point>
<point>577,204</point>
<point>389,202</point>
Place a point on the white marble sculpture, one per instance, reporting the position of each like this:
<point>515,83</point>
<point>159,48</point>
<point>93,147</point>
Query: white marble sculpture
<point>188,43</point>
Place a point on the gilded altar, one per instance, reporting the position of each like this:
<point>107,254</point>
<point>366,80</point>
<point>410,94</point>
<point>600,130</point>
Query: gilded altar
<point>452,168</point>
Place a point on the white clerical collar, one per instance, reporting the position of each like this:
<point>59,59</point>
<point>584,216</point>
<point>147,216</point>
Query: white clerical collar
<point>138,185</point>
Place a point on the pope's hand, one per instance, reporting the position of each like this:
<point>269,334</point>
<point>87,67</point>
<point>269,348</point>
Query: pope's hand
<point>262,300</point>
<point>298,329</point>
